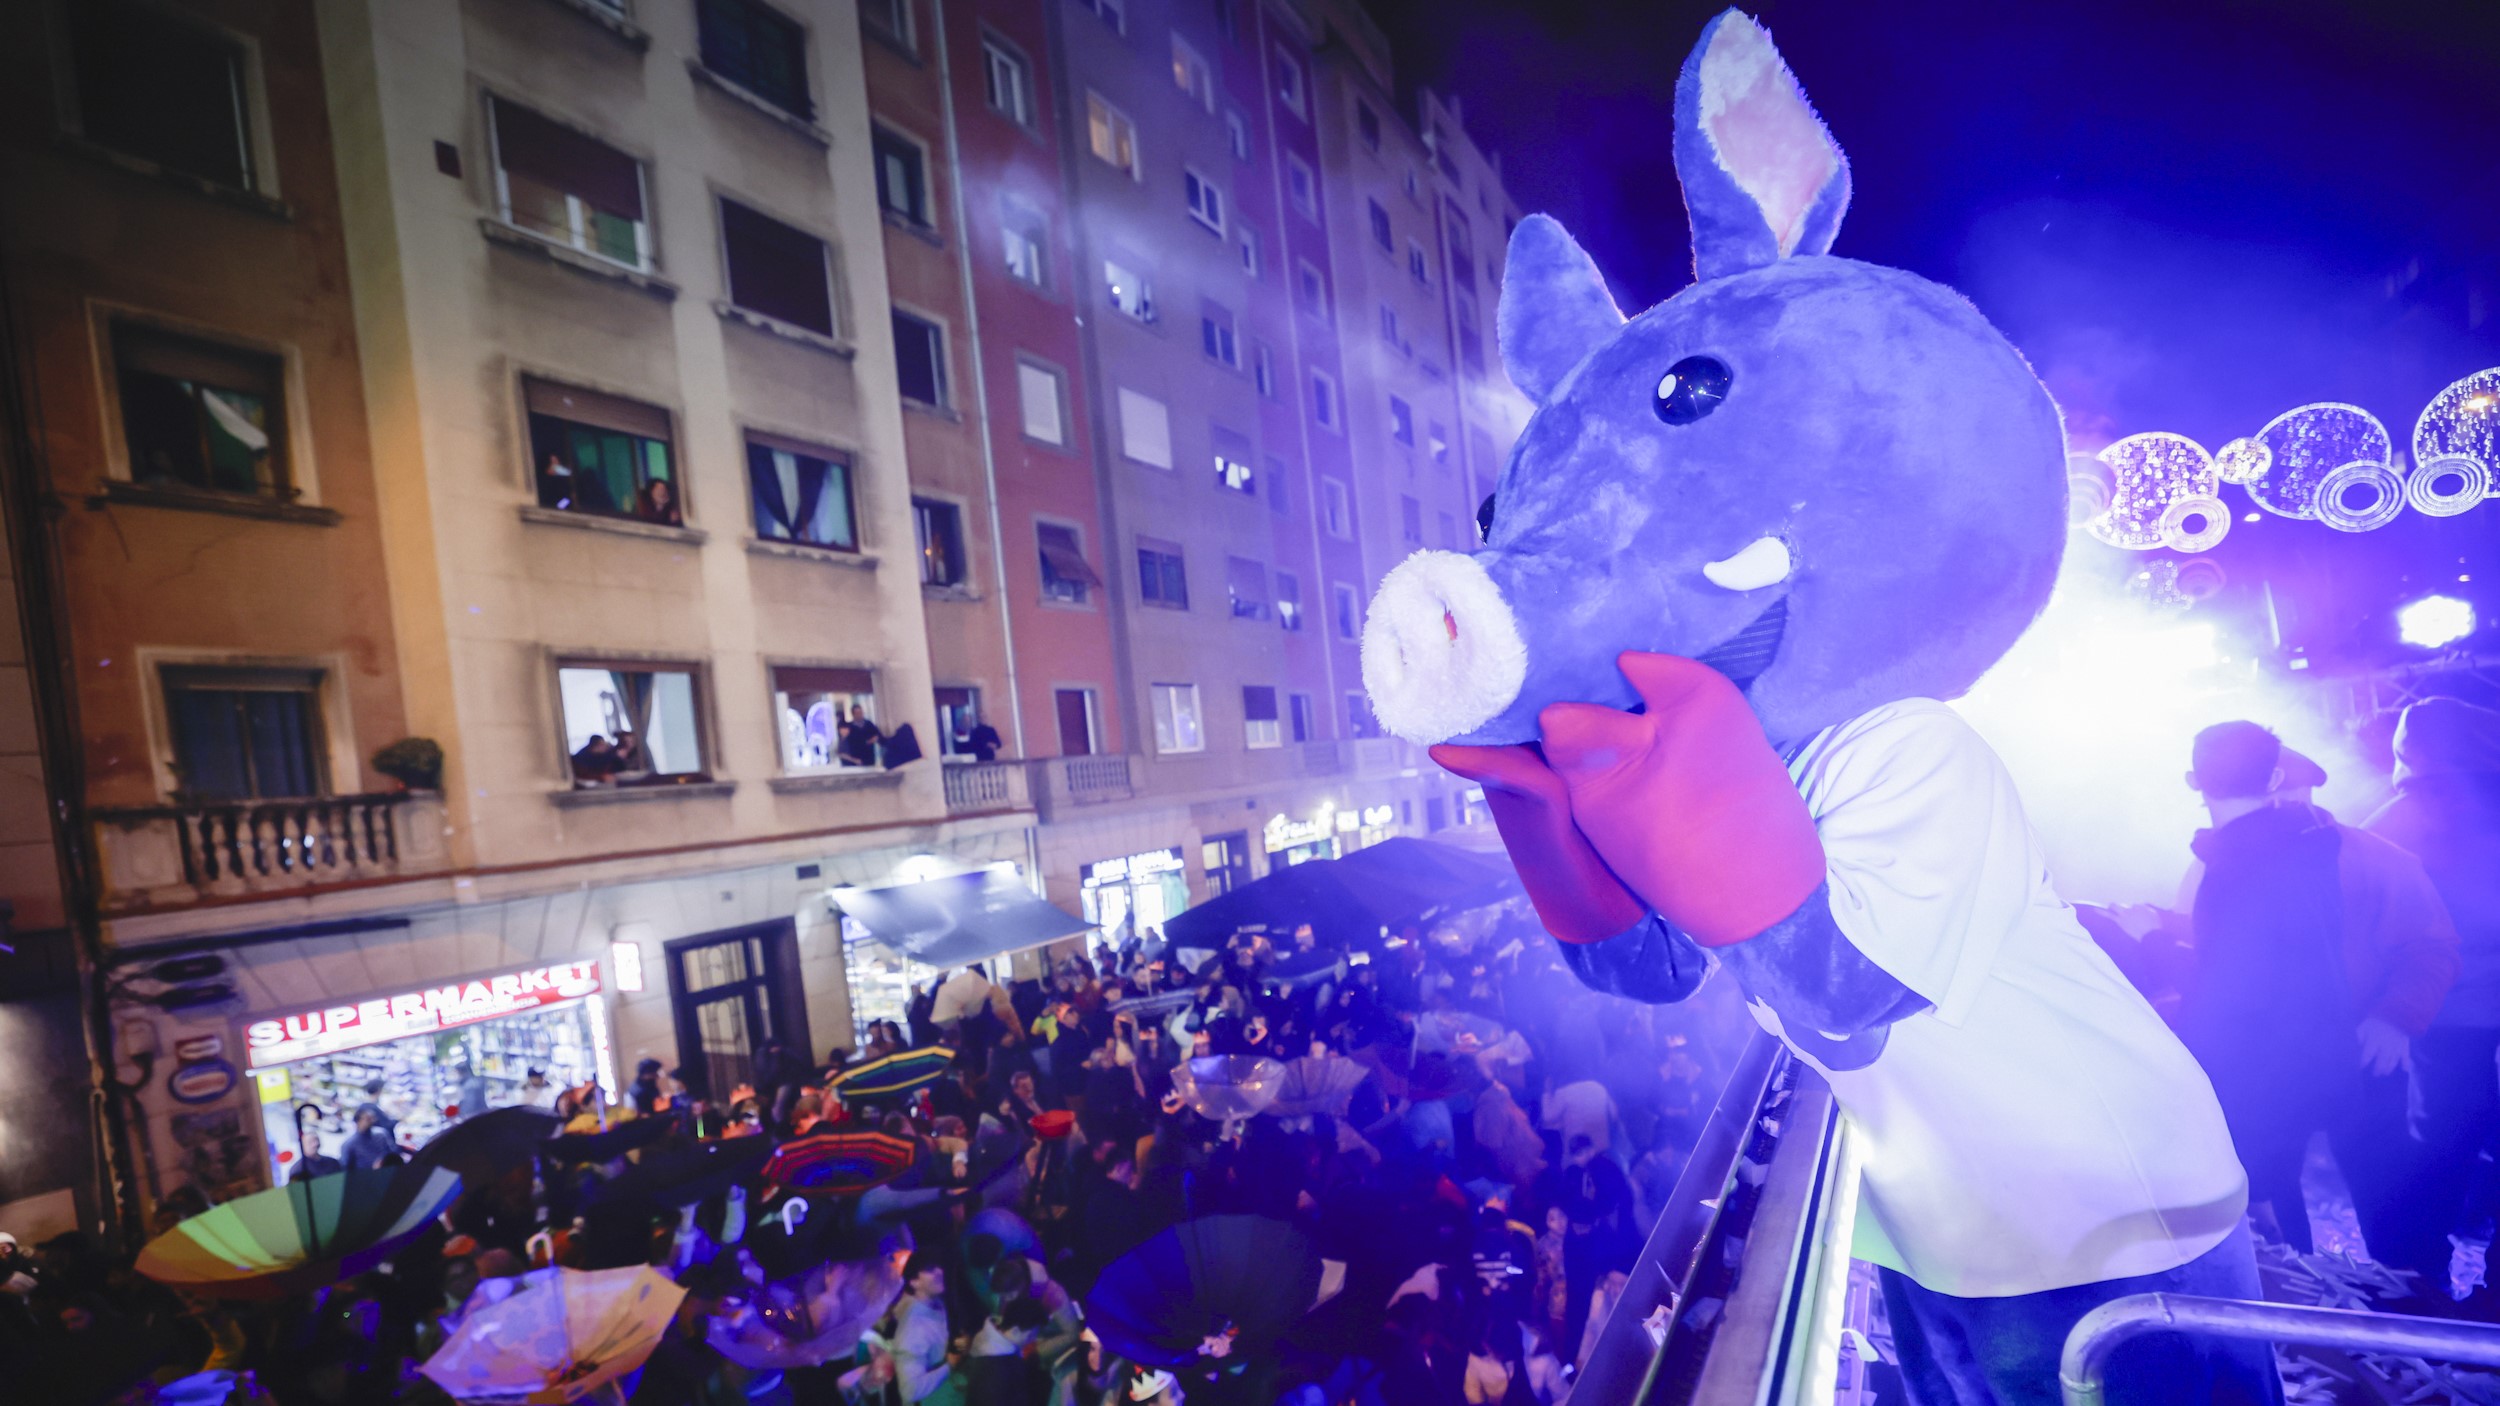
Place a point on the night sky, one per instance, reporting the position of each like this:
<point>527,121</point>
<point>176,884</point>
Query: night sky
<point>2192,216</point>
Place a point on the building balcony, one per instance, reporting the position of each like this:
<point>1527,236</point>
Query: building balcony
<point>1062,784</point>
<point>158,856</point>
<point>986,786</point>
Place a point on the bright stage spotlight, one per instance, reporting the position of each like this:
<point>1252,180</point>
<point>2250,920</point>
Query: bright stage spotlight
<point>2434,621</point>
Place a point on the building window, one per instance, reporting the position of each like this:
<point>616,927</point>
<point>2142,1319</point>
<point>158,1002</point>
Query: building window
<point>1066,576</point>
<point>1237,133</point>
<point>1449,533</point>
<point>1303,717</point>
<point>1418,263</point>
<point>162,90</point>
<point>1026,233</point>
<point>1044,393</point>
<point>1358,717</point>
<point>1289,82</point>
<point>902,177</point>
<point>1462,250</point>
<point>958,714</point>
<point>1008,81</point>
<point>1232,461</point>
<point>1289,601</point>
<point>1276,491</point>
<point>1162,576</point>
<point>889,20</point>
<point>1250,251</point>
<point>1245,588</point>
<point>1113,136</point>
<point>1401,420</point>
<point>1438,442</point>
<point>1367,122</point>
<point>1145,429</point>
<point>1311,289</point>
<point>1470,341</point>
<point>1335,511</point>
<point>1349,612</point>
<point>1216,335</point>
<point>1260,725</point>
<point>920,359</point>
<point>1113,13</point>
<point>197,414</point>
<point>564,186</point>
<point>1078,732</point>
<point>1389,332</point>
<point>1129,291</point>
<point>1302,186</point>
<point>759,49</point>
<point>1206,203</point>
<point>800,494</point>
<point>1176,718</point>
<point>1191,74</point>
<point>627,725</point>
<point>244,734</point>
<point>939,527</point>
<point>1324,401</point>
<point>601,454</point>
<point>776,270</point>
<point>1263,364</point>
<point>826,717</point>
<point>1381,233</point>
<point>1410,520</point>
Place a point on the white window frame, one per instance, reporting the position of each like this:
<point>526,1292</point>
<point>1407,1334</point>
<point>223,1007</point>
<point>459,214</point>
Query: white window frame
<point>1028,368</point>
<point>1168,720</point>
<point>1252,739</point>
<point>1192,74</point>
<point>1112,271</point>
<point>1302,187</point>
<point>1336,508</point>
<point>1291,89</point>
<point>998,57</point>
<point>1227,335</point>
<point>573,207</point>
<point>1237,132</point>
<point>1402,421</point>
<point>1310,289</point>
<point>1145,429</point>
<point>1252,261</point>
<point>1113,13</point>
<point>1115,122</point>
<point>1345,611</point>
<point>1327,403</point>
<point>1205,198</point>
<point>1012,236</point>
<point>1263,368</point>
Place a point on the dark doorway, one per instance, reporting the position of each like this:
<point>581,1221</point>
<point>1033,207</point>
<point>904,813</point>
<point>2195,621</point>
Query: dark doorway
<point>1076,722</point>
<point>732,991</point>
<point>1228,862</point>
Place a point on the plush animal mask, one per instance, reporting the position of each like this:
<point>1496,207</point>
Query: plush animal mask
<point>1833,481</point>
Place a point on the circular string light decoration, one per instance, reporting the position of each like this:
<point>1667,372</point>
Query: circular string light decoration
<point>2462,420</point>
<point>2381,493</point>
<point>2243,460</point>
<point>2195,523</point>
<point>2089,487</point>
<point>2150,472</point>
<point>2469,479</point>
<point>2306,445</point>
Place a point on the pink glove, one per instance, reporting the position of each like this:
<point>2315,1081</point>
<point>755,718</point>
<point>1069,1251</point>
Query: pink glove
<point>1576,896</point>
<point>1687,802</point>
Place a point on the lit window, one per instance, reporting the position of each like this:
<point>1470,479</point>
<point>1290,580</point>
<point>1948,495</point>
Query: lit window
<point>800,494</point>
<point>939,527</point>
<point>828,718</point>
<point>1191,74</point>
<point>576,190</point>
<point>1128,290</point>
<point>1145,429</point>
<point>1176,718</point>
<point>776,270</point>
<point>1260,725</point>
<point>1113,136</point>
<point>1358,716</point>
<point>602,454</point>
<point>1008,81</point>
<point>627,725</point>
<point>1206,203</point>
<point>1289,82</point>
<point>1044,393</point>
<point>199,414</point>
<point>1024,232</point>
<point>1232,462</point>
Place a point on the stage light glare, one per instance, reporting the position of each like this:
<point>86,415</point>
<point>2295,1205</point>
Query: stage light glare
<point>2435,621</point>
<point>2253,517</point>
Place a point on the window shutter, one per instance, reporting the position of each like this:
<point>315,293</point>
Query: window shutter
<point>555,155</point>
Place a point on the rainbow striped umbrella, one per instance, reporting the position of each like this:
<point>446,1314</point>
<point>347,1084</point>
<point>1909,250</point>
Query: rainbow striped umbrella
<point>839,1161</point>
<point>897,1073</point>
<point>309,1232</point>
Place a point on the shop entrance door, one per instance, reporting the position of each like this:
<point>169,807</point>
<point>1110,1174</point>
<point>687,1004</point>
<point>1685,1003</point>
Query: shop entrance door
<point>732,991</point>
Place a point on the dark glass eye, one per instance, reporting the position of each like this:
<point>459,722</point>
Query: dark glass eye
<point>1484,519</point>
<point>1692,388</point>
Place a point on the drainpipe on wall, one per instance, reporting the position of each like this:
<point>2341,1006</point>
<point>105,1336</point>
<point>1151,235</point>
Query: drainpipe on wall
<point>980,376</point>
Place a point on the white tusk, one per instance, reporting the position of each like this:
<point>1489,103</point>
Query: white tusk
<point>1764,563</point>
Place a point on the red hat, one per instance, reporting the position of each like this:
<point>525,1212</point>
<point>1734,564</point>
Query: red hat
<point>1053,1125</point>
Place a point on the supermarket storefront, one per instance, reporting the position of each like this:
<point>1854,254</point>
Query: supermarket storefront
<point>474,1039</point>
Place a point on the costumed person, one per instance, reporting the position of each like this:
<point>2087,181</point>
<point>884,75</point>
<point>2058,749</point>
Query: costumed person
<point>1747,542</point>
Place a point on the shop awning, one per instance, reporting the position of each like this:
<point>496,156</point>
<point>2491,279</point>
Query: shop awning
<point>964,918</point>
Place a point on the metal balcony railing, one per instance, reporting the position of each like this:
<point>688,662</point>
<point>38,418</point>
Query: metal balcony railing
<point>182,853</point>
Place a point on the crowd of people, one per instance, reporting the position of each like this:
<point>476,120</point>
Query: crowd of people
<point>1484,1187</point>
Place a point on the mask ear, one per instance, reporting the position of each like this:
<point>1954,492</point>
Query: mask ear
<point>1555,307</point>
<point>1762,177</point>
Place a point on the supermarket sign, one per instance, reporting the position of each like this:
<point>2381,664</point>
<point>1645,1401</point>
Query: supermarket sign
<point>330,1029</point>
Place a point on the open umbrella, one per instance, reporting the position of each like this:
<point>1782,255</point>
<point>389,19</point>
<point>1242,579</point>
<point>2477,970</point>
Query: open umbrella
<point>893,1075</point>
<point>1454,1032</point>
<point>807,1322</point>
<point>681,1176</point>
<point>1013,1234</point>
<point>1206,1288</point>
<point>609,1144</point>
<point>309,1232</point>
<point>1226,1087</point>
<point>485,1147</point>
<point>561,1339</point>
<point>1316,1084</point>
<point>843,1160</point>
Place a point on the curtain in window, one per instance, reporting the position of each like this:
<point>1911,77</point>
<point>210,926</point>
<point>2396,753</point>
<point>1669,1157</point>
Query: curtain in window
<point>633,695</point>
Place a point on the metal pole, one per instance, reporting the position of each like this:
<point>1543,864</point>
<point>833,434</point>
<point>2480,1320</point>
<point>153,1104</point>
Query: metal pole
<point>2104,1330</point>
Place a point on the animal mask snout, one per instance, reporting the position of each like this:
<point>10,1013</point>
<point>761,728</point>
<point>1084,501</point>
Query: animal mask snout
<point>1442,654</point>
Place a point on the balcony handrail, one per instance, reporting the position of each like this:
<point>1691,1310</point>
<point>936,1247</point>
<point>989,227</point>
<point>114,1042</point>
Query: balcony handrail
<point>167,810</point>
<point>260,843</point>
<point>2099,1334</point>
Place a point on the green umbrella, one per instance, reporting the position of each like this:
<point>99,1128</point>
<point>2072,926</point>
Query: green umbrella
<point>309,1232</point>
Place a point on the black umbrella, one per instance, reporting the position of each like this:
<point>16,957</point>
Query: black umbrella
<point>607,1146</point>
<point>1204,1289</point>
<point>681,1176</point>
<point>483,1148</point>
<point>1458,877</point>
<point>1342,910</point>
